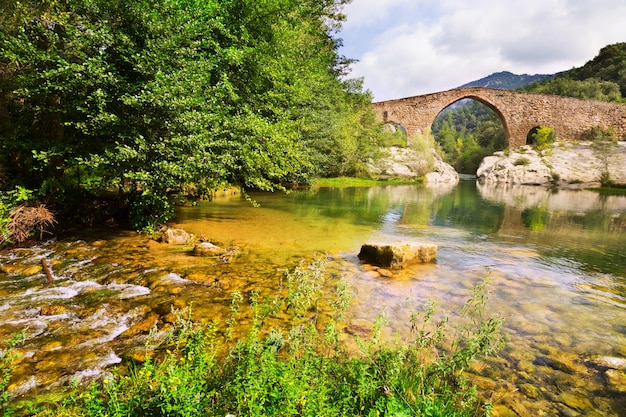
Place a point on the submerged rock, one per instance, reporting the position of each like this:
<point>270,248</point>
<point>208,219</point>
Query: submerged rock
<point>397,256</point>
<point>208,249</point>
<point>610,362</point>
<point>616,380</point>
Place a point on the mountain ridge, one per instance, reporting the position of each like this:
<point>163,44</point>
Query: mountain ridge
<point>507,80</point>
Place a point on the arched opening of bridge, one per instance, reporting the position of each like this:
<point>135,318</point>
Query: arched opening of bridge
<point>466,131</point>
<point>531,136</point>
<point>395,135</point>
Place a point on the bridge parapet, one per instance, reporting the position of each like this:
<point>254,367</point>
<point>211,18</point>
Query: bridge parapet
<point>519,112</point>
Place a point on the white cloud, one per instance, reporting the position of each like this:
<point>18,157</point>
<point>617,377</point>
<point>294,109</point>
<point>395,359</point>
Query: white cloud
<point>409,47</point>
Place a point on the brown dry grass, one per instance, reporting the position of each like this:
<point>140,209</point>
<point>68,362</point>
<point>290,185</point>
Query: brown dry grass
<point>26,221</point>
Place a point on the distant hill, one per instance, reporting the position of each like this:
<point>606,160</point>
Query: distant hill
<point>506,80</point>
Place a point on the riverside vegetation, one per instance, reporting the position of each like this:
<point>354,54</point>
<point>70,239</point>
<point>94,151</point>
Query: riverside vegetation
<point>116,111</point>
<point>303,368</point>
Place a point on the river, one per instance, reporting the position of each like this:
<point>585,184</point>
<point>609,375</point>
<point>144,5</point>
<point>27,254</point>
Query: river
<point>556,261</point>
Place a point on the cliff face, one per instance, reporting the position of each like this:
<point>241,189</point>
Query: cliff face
<point>573,164</point>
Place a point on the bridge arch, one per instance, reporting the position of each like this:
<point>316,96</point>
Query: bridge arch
<point>519,112</point>
<point>487,103</point>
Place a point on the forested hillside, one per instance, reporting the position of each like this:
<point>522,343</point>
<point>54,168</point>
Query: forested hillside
<point>125,104</point>
<point>602,78</point>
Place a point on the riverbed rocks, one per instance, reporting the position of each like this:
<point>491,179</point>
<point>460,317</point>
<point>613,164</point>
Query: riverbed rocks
<point>144,326</point>
<point>397,256</point>
<point>567,164</point>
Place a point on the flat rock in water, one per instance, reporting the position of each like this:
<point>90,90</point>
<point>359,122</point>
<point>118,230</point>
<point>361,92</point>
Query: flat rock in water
<point>397,256</point>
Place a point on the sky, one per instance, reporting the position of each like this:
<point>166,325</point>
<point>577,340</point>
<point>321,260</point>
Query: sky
<point>411,47</point>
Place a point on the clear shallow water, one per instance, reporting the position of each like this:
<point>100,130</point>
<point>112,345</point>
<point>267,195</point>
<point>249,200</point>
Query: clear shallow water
<point>556,260</point>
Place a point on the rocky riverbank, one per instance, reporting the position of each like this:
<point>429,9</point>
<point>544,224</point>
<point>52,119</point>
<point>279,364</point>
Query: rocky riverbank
<point>407,163</point>
<point>571,164</point>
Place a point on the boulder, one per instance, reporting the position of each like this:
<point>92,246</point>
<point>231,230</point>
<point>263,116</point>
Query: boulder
<point>208,249</point>
<point>407,163</point>
<point>442,173</point>
<point>175,237</point>
<point>397,256</point>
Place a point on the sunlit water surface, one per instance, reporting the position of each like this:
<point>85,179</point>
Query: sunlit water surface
<point>556,261</point>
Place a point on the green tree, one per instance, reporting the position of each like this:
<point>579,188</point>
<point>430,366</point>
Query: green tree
<point>159,97</point>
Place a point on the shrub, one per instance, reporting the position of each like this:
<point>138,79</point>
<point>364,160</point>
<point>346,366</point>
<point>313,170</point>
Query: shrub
<point>521,161</point>
<point>599,134</point>
<point>424,145</point>
<point>544,137</point>
<point>302,369</point>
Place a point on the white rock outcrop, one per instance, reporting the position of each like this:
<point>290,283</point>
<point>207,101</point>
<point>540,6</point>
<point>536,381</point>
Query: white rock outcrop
<point>570,164</point>
<point>407,163</point>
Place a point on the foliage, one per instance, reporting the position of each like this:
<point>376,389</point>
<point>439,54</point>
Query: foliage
<point>467,133</point>
<point>602,78</point>
<point>604,147</point>
<point>154,97</point>
<point>543,138</point>
<point>357,182</point>
<point>8,355</point>
<point>608,65</point>
<point>303,369</point>
<point>589,89</point>
<point>394,135</point>
<point>599,134</point>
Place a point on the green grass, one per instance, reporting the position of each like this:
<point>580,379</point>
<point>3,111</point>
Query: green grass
<point>300,366</point>
<point>361,182</point>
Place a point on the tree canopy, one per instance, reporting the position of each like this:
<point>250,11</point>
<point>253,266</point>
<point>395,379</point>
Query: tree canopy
<point>155,97</point>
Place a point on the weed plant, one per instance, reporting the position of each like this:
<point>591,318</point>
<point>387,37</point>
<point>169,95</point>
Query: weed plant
<point>8,356</point>
<point>293,360</point>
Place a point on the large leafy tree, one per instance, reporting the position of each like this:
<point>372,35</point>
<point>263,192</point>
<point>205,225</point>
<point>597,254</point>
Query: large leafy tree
<point>153,97</point>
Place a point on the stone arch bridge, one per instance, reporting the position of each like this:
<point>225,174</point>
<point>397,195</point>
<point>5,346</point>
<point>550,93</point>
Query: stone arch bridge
<point>519,112</point>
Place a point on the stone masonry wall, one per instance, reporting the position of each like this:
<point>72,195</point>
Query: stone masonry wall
<point>519,112</point>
